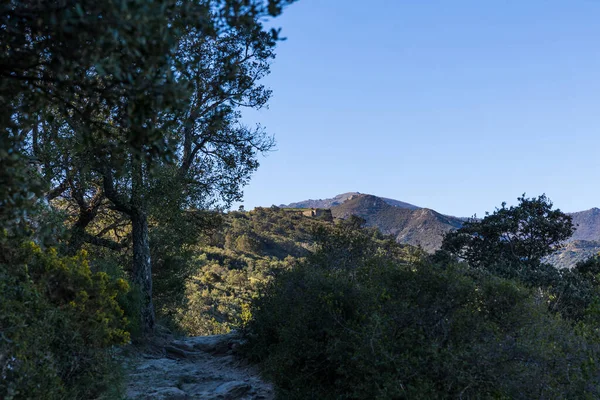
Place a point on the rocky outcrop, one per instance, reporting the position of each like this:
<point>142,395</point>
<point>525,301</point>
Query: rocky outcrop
<point>204,367</point>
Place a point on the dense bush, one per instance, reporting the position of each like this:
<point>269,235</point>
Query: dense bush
<point>58,321</point>
<point>375,327</point>
<point>174,236</point>
<point>514,243</point>
<point>575,293</point>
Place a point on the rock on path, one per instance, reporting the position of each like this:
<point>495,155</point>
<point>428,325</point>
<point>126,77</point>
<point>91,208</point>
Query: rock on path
<point>203,367</point>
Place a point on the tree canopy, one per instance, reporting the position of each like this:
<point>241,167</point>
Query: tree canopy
<point>129,106</point>
<point>518,235</point>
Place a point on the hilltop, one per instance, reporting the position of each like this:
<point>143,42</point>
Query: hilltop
<point>341,198</point>
<point>408,223</point>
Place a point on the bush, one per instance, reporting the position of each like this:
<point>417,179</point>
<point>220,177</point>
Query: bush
<point>374,327</point>
<point>58,321</point>
<point>219,294</point>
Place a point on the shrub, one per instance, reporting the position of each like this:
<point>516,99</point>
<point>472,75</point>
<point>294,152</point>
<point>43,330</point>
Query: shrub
<point>218,295</point>
<point>58,321</point>
<point>374,327</point>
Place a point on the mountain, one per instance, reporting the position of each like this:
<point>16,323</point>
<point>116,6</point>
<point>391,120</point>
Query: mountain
<point>340,198</point>
<point>587,223</point>
<point>416,226</point>
<point>574,252</point>
<point>584,243</point>
<point>413,225</point>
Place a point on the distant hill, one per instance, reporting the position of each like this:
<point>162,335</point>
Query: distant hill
<point>417,226</point>
<point>584,243</point>
<point>587,223</point>
<point>574,252</point>
<point>340,198</point>
<point>425,227</point>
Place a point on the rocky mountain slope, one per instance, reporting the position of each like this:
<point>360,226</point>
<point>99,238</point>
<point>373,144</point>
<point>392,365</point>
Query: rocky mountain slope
<point>588,224</point>
<point>419,227</point>
<point>574,252</point>
<point>584,243</point>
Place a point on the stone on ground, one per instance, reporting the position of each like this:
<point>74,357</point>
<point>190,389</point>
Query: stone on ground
<point>202,367</point>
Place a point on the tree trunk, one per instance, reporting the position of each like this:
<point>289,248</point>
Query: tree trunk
<point>76,238</point>
<point>136,209</point>
<point>142,269</point>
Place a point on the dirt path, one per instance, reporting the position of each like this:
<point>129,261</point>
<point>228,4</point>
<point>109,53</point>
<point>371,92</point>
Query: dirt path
<point>194,368</point>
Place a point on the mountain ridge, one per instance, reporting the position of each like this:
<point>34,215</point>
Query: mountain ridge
<point>425,227</point>
<point>419,227</point>
<point>340,198</point>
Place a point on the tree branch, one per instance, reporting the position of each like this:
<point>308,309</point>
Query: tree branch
<point>57,191</point>
<point>112,194</point>
<point>97,241</point>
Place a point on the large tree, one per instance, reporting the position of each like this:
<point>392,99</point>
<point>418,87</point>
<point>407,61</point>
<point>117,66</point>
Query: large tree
<point>80,56</point>
<point>103,94</point>
<point>191,151</point>
<point>215,153</point>
<point>518,235</point>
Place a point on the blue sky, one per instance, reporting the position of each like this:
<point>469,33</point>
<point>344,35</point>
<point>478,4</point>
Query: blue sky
<point>452,105</point>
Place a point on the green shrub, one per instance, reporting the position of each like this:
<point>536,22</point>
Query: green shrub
<point>374,327</point>
<point>58,321</point>
<point>219,293</point>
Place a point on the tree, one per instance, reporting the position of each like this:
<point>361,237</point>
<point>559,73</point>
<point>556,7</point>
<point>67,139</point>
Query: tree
<point>73,57</point>
<point>187,149</point>
<point>81,55</point>
<point>517,235</point>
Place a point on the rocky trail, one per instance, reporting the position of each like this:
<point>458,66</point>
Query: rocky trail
<point>204,367</point>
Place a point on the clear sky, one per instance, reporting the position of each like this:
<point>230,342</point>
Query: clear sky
<point>452,105</point>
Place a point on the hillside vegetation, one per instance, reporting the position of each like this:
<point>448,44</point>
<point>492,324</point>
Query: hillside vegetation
<point>363,317</point>
<point>236,262</point>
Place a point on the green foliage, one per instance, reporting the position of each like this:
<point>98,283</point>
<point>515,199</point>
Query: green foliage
<point>512,243</point>
<point>373,325</point>
<point>576,293</point>
<point>83,56</point>
<point>19,183</point>
<point>219,294</point>
<point>590,268</point>
<point>58,321</point>
<point>174,236</point>
<point>251,249</point>
<point>518,235</point>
